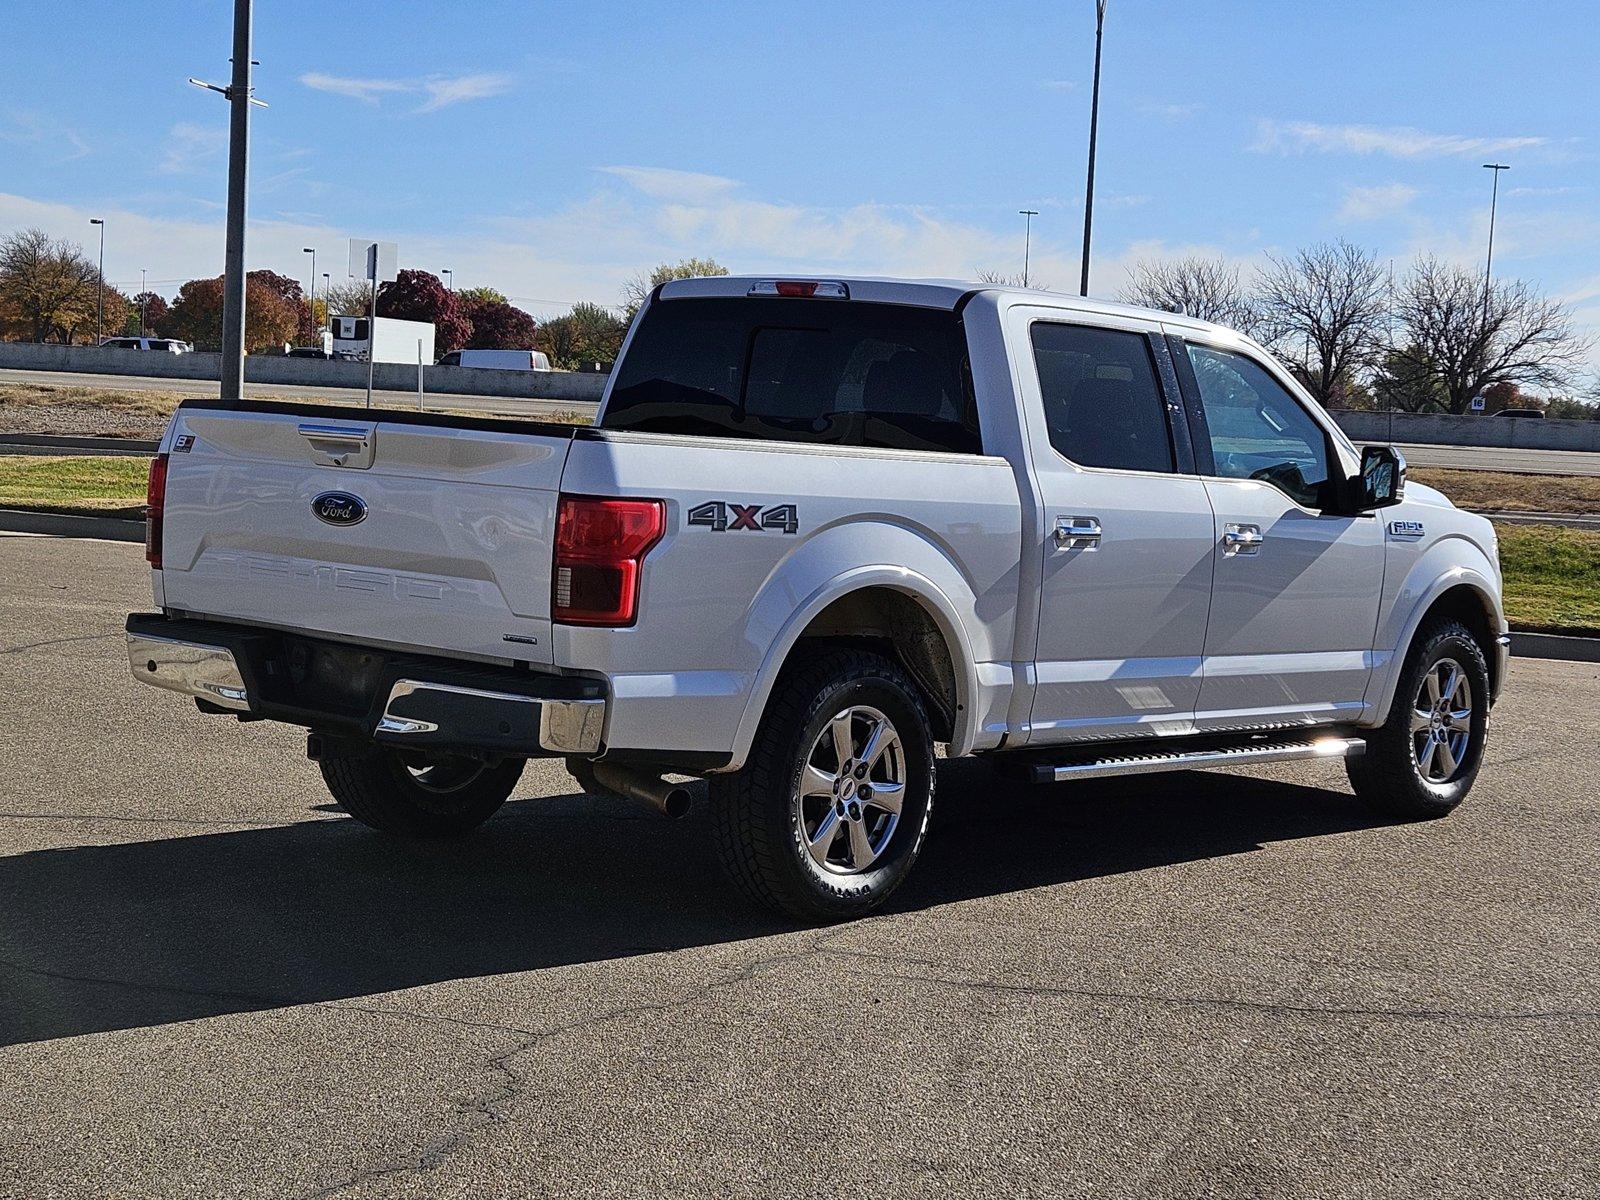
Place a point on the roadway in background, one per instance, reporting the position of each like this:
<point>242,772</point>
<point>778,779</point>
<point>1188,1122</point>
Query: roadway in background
<point>434,402</point>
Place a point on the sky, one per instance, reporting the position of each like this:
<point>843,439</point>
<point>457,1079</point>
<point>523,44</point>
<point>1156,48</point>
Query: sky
<point>553,149</point>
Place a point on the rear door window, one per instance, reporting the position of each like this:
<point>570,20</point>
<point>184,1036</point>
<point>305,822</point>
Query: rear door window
<point>1102,404</point>
<point>825,371</point>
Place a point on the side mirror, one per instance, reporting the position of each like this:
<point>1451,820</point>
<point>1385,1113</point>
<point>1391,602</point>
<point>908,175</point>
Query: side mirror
<point>1383,478</point>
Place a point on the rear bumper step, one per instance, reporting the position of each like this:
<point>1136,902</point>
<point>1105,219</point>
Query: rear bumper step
<point>1196,758</point>
<point>358,691</point>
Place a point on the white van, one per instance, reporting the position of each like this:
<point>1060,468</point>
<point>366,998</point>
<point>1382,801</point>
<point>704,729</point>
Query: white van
<point>498,360</point>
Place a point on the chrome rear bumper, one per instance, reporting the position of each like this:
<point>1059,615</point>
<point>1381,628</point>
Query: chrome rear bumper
<point>205,672</point>
<point>393,698</point>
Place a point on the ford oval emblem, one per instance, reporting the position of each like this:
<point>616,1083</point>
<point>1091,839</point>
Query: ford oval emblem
<point>339,508</point>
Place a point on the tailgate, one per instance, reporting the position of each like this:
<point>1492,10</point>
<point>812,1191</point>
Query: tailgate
<point>417,532</point>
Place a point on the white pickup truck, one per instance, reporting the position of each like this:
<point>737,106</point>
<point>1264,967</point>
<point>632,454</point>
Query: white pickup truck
<point>818,527</point>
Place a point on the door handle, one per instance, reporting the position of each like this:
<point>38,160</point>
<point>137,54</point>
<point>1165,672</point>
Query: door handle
<point>1242,539</point>
<point>1077,531</point>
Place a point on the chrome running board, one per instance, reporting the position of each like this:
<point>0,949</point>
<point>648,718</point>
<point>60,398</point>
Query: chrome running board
<point>1331,746</point>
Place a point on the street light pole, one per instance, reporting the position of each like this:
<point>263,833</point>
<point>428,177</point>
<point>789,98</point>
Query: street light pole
<point>311,300</point>
<point>143,300</point>
<point>100,286</point>
<point>1094,126</point>
<point>233,290</point>
<point>1488,264</point>
<point>1027,215</point>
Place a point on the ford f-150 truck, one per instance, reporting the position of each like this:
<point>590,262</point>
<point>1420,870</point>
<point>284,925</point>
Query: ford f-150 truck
<point>818,527</point>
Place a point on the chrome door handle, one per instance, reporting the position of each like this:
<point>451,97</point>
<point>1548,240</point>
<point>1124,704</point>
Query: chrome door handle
<point>1242,539</point>
<point>1077,531</point>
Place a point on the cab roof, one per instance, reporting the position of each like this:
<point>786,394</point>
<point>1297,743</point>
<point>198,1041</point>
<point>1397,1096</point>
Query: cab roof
<point>926,293</point>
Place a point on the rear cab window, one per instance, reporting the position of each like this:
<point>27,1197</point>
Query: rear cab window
<point>829,372</point>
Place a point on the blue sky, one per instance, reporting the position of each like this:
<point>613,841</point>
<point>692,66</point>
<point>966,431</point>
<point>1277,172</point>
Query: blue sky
<point>552,149</point>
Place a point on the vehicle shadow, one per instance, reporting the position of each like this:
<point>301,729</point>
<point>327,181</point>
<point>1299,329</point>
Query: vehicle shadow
<point>96,938</point>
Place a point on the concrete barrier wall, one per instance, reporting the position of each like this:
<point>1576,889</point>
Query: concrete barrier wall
<point>307,372</point>
<point>1427,429</point>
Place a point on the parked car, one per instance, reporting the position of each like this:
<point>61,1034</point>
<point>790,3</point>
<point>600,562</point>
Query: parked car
<point>818,527</point>
<point>1521,412</point>
<point>498,360</point>
<point>161,345</point>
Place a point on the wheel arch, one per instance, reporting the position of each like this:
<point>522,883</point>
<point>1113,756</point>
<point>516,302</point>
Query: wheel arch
<point>900,609</point>
<point>1467,592</point>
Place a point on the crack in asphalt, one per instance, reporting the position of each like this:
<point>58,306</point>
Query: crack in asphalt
<point>92,637</point>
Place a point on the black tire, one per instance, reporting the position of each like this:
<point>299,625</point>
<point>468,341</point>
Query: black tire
<point>1391,776</point>
<point>760,819</point>
<point>414,795</point>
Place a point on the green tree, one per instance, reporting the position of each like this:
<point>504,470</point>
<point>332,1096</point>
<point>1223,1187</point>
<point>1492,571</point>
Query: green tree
<point>637,290</point>
<point>481,295</point>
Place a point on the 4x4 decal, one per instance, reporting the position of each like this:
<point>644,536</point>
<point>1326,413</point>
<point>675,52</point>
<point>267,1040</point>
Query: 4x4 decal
<point>724,515</point>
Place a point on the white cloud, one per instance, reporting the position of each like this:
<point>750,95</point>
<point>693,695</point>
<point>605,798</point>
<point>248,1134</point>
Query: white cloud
<point>1397,141</point>
<point>24,128</point>
<point>365,90</point>
<point>664,183</point>
<point>189,146</point>
<point>1375,203</point>
<point>440,90</point>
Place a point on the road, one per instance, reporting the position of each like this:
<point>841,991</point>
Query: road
<point>1197,985</point>
<point>1504,458</point>
<point>500,405</point>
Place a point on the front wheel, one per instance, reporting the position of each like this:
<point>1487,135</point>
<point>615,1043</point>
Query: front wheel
<point>829,813</point>
<point>1422,761</point>
<point>414,794</point>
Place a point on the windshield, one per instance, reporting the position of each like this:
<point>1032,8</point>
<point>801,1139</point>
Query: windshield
<point>824,371</point>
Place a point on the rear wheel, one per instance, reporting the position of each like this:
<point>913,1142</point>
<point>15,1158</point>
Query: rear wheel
<point>829,813</point>
<point>416,794</point>
<point>1424,758</point>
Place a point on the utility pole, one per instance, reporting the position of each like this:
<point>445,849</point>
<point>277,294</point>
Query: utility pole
<point>1027,215</point>
<point>1094,125</point>
<point>232,383</point>
<point>100,286</point>
<point>1488,265</point>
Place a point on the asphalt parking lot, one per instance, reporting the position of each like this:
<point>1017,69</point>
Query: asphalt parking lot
<point>1193,985</point>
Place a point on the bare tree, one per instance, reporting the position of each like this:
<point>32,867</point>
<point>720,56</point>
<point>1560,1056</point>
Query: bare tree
<point>637,290</point>
<point>1468,336</point>
<point>49,284</point>
<point>350,298</point>
<point>1324,310</point>
<point>1207,289</point>
<point>1001,279</point>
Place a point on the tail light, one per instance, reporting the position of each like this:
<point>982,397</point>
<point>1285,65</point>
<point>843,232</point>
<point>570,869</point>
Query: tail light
<point>155,503</point>
<point>806,288</point>
<point>600,544</point>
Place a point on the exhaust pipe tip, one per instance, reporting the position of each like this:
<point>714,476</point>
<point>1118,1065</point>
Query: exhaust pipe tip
<point>671,800</point>
<point>675,801</point>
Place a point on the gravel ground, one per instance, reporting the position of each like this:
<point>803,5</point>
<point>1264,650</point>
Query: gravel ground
<point>77,420</point>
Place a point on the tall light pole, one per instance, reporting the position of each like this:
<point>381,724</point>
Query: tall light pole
<point>1488,264</point>
<point>240,99</point>
<point>451,282</point>
<point>100,286</point>
<point>1027,215</point>
<point>144,295</point>
<point>311,300</point>
<point>1094,125</point>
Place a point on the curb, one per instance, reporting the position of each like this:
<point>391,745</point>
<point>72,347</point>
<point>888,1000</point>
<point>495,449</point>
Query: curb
<point>114,529</point>
<point>50,443</point>
<point>1555,645</point>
